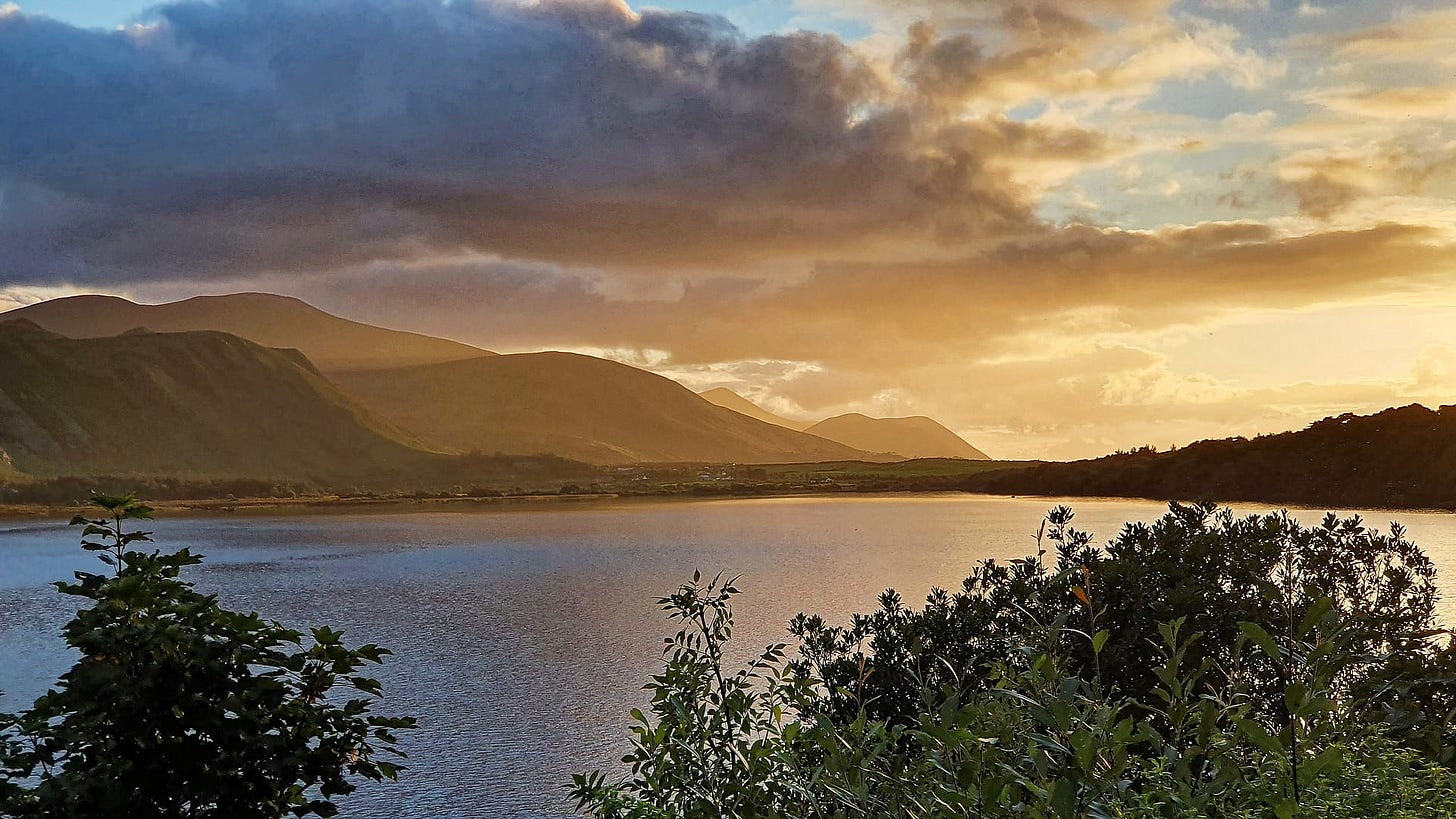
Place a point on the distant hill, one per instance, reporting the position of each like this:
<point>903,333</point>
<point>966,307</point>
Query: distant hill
<point>913,437</point>
<point>577,407</point>
<point>728,399</point>
<point>330,342</point>
<point>197,405</point>
<point>1399,458</point>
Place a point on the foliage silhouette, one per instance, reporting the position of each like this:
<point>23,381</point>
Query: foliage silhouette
<point>1400,458</point>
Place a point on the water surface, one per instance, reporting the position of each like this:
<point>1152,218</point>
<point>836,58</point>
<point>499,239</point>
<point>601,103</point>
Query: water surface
<point>523,635</point>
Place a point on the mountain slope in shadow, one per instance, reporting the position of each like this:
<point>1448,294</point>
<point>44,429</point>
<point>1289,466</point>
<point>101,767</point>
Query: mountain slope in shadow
<point>330,342</point>
<point>577,407</point>
<point>196,405</point>
<point>913,437</point>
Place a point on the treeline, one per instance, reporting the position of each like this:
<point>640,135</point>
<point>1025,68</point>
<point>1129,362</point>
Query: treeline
<point>473,475</point>
<point>1399,458</point>
<point>74,491</point>
<point>1201,666</point>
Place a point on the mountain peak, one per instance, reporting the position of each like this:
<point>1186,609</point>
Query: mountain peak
<point>728,399</point>
<point>581,407</point>
<point>913,437</point>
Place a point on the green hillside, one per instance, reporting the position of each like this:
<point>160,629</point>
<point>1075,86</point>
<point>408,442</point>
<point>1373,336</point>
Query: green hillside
<point>199,405</point>
<point>1399,458</point>
<point>578,407</point>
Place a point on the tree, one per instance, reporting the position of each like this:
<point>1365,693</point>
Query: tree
<point>178,707</point>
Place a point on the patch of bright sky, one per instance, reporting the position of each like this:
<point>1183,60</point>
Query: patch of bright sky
<point>1215,98</point>
<point>1347,343</point>
<point>105,14</point>
<point>753,17</point>
<point>1170,188</point>
<point>758,17</point>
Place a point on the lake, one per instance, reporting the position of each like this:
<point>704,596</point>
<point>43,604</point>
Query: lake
<point>523,632</point>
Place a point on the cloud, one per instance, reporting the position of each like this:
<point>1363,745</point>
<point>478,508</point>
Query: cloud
<point>899,223</point>
<point>1398,102</point>
<point>1019,52</point>
<point>283,134</point>
<point>1019,301</point>
<point>1327,181</point>
<point>1419,37</point>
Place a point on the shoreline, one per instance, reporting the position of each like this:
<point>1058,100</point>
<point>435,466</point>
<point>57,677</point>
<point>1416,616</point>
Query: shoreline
<point>312,503</point>
<point>543,501</point>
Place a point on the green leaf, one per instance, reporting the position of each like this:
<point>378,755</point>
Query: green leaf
<point>1261,638</point>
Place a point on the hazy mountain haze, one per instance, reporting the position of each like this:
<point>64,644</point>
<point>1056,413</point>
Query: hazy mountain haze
<point>728,399</point>
<point>915,437</point>
<point>330,342</point>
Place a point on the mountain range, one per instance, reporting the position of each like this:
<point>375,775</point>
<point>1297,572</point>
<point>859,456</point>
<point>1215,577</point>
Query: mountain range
<point>194,405</point>
<point>330,342</point>
<point>899,438</point>
<point>206,377</point>
<point>579,407</point>
<point>233,389</point>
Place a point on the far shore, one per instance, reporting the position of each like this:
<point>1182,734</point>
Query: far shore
<point>544,501</point>
<point>342,503</point>
<point>207,506</point>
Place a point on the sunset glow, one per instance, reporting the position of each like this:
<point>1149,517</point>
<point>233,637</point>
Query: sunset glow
<point>1060,228</point>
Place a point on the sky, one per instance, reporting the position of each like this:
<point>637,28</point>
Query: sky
<point>1060,227</point>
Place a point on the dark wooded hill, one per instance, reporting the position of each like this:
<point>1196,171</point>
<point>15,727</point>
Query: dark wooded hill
<point>1398,458</point>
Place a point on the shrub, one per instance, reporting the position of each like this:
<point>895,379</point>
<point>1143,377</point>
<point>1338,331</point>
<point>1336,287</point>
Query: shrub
<point>179,707</point>
<point>1008,698</point>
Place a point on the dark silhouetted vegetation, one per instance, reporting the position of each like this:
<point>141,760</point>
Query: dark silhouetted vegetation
<point>1400,458</point>
<point>1202,665</point>
<point>178,707</point>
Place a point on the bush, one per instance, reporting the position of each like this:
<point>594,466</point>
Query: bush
<point>1280,671</point>
<point>179,707</point>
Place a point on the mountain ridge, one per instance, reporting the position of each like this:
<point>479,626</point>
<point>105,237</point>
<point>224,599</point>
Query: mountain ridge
<point>199,404</point>
<point>331,343</point>
<point>728,399</point>
<point>910,437</point>
<point>580,407</point>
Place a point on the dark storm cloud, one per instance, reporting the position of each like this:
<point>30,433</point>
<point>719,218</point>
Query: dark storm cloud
<point>255,135</point>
